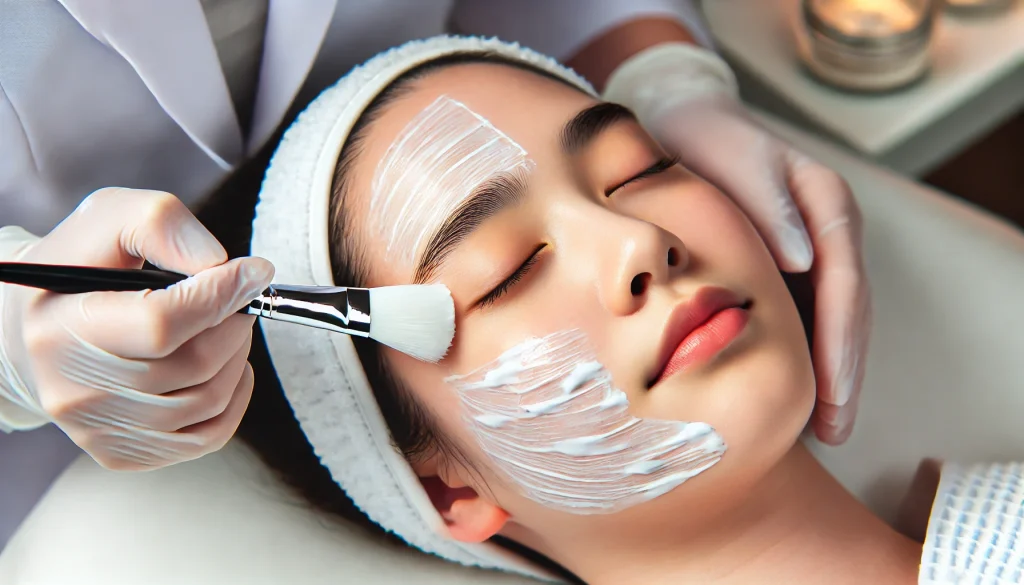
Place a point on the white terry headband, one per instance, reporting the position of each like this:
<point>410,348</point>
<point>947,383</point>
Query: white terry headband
<point>320,371</point>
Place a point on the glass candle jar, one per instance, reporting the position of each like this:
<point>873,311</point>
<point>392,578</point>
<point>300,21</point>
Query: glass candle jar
<point>867,45</point>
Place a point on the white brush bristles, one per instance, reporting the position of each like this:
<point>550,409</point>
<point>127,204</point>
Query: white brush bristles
<point>415,319</point>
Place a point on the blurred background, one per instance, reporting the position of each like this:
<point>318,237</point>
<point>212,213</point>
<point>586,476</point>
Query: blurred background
<point>933,89</point>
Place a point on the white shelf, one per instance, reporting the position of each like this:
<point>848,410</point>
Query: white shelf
<point>976,82</point>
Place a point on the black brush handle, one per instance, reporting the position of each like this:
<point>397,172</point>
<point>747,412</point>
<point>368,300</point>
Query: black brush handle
<point>335,308</point>
<point>83,279</point>
<point>71,280</point>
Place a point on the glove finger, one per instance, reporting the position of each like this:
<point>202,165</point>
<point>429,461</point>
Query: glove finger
<point>843,302</point>
<point>205,401</point>
<point>749,166</point>
<point>133,409</point>
<point>112,387</point>
<point>122,447</point>
<point>214,433</point>
<point>842,326</point>
<point>153,324</point>
<point>199,359</point>
<point>773,211</point>
<point>833,424</point>
<point>119,227</point>
<point>135,449</point>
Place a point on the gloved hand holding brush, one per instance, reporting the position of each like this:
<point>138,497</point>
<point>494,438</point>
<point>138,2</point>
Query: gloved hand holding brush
<point>139,380</point>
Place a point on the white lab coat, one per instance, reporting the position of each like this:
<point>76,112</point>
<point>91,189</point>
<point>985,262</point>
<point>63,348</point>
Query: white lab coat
<point>99,93</point>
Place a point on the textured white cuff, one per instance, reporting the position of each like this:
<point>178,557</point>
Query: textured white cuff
<point>15,418</point>
<point>976,530</point>
<point>14,243</point>
<point>658,80</point>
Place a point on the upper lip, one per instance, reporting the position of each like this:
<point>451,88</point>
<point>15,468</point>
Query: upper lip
<point>690,315</point>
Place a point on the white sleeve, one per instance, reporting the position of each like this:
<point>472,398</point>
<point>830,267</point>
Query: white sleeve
<point>559,28</point>
<point>14,242</point>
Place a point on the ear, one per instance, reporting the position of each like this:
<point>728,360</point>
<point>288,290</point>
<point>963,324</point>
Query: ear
<point>469,517</point>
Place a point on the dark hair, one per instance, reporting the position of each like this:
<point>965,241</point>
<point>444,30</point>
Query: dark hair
<point>269,425</point>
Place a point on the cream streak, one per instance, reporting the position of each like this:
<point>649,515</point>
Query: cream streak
<point>548,416</point>
<point>433,166</point>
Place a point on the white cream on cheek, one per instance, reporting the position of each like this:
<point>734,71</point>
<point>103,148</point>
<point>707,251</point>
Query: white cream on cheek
<point>548,416</point>
<point>433,166</point>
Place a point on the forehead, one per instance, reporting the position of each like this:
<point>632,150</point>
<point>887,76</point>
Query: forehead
<point>527,108</point>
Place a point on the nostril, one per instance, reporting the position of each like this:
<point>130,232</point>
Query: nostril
<point>673,257</point>
<point>639,284</point>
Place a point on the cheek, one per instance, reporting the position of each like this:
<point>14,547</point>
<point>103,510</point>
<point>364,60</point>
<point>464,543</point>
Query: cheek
<point>551,421</point>
<point>437,397</point>
<point>715,227</point>
<point>758,399</point>
<point>763,401</point>
<point>761,398</point>
<point>709,224</point>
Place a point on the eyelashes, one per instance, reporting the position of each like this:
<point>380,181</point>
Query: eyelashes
<point>492,297</point>
<point>660,166</point>
<point>504,286</point>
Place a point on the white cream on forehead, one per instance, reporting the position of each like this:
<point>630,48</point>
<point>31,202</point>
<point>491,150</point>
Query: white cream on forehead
<point>548,416</point>
<point>431,168</point>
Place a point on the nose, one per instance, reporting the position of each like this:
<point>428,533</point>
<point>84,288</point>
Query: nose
<point>640,256</point>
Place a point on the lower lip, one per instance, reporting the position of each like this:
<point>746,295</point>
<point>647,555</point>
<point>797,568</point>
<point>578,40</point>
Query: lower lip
<point>707,341</point>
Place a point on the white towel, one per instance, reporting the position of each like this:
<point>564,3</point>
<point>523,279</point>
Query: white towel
<point>319,371</point>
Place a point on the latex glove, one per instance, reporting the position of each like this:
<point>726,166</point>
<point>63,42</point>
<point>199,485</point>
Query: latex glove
<point>687,98</point>
<point>139,380</point>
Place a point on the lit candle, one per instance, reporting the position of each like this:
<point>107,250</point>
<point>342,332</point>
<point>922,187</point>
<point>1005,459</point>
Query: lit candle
<point>867,45</point>
<point>869,18</point>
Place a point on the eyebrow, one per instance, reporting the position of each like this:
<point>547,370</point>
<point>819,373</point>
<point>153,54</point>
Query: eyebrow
<point>587,125</point>
<point>507,190</point>
<point>494,195</point>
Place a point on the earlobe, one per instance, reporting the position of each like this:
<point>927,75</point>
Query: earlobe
<point>469,517</point>
<point>474,519</point>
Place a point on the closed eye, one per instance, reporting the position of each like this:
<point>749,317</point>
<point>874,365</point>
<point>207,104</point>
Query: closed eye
<point>657,168</point>
<point>504,286</point>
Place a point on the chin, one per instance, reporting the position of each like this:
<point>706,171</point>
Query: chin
<point>759,413</point>
<point>761,403</point>
<point>758,395</point>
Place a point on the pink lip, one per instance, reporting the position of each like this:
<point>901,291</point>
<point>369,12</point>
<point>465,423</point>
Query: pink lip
<point>700,329</point>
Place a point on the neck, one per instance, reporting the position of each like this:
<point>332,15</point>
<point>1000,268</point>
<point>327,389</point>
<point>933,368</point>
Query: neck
<point>799,526</point>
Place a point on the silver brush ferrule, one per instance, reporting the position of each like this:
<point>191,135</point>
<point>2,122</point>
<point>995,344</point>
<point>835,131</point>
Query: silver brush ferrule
<point>339,309</point>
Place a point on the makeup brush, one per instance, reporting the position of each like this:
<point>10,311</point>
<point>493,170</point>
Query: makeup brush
<point>417,320</point>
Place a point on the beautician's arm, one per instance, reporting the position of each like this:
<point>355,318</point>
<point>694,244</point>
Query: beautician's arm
<point>642,53</point>
<point>562,28</point>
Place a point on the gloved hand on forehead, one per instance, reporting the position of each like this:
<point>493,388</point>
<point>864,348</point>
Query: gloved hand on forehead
<point>139,380</point>
<point>688,99</point>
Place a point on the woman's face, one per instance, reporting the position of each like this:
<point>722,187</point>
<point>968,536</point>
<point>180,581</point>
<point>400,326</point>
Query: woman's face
<point>592,259</point>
